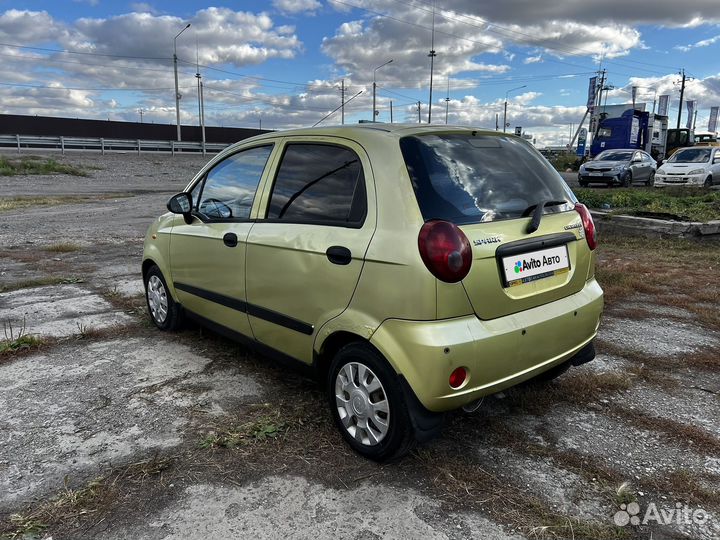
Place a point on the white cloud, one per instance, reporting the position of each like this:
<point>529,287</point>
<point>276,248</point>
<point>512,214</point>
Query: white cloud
<point>701,43</point>
<point>533,59</point>
<point>296,6</point>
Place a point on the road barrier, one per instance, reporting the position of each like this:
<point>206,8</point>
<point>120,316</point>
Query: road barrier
<point>102,145</point>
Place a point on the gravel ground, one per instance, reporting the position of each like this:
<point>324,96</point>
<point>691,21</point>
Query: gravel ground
<point>112,429</point>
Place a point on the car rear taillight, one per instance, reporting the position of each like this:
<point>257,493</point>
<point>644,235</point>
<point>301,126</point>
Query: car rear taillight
<point>588,225</point>
<point>445,250</point>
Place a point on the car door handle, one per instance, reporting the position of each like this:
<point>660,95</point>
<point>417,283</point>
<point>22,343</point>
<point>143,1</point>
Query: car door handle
<point>339,255</point>
<point>230,239</point>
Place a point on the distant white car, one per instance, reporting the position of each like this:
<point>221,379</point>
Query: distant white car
<point>695,166</point>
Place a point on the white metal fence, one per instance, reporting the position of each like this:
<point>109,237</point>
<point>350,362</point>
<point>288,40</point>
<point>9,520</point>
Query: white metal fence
<point>102,145</point>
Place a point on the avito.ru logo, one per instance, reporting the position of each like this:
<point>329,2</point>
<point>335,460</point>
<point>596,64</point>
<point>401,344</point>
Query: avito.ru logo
<point>518,267</point>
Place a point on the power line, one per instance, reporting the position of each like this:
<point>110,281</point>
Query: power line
<point>22,85</point>
<point>87,53</point>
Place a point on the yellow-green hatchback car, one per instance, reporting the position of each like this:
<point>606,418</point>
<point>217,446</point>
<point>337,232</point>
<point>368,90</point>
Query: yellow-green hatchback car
<point>416,268</point>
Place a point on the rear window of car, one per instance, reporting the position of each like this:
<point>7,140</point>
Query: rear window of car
<point>466,178</point>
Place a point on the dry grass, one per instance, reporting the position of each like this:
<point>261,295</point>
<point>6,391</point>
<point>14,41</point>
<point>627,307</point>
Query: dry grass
<point>628,265</point>
<point>576,389</point>
<point>62,247</point>
<point>684,434</point>
<point>39,282</point>
<point>707,358</point>
<point>74,506</point>
<point>8,204</point>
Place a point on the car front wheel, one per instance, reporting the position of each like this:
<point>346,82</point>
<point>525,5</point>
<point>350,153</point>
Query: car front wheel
<point>708,182</point>
<point>651,179</point>
<point>368,403</point>
<point>627,180</point>
<point>164,311</point>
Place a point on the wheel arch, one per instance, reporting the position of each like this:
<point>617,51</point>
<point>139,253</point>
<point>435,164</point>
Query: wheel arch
<point>323,356</point>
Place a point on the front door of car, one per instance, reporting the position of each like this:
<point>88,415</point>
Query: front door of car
<point>304,259</point>
<point>715,166</point>
<point>639,167</point>
<point>207,256</point>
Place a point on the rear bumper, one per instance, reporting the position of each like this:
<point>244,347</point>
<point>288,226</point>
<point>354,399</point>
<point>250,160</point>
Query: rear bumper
<point>497,354</point>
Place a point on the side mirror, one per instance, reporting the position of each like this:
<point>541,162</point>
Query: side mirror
<point>181,204</point>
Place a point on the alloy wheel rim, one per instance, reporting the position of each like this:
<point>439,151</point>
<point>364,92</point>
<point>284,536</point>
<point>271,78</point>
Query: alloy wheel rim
<point>157,299</point>
<point>362,403</point>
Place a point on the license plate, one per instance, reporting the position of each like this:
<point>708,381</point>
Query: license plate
<point>528,267</point>
<point>595,173</point>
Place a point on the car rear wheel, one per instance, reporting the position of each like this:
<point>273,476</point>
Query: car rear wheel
<point>708,181</point>
<point>368,403</point>
<point>651,179</point>
<point>164,312</point>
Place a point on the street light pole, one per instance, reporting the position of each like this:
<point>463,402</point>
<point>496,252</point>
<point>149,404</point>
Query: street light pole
<point>177,89</point>
<point>505,109</point>
<point>432,56</point>
<point>375,86</point>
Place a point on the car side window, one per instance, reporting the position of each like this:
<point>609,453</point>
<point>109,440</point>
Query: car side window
<point>319,183</point>
<point>229,188</point>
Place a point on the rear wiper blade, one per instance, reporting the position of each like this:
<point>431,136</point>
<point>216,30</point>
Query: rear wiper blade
<point>537,210</point>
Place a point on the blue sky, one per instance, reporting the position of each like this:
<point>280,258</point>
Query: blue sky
<point>282,61</point>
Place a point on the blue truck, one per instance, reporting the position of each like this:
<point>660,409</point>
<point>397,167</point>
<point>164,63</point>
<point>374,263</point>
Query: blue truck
<point>638,129</point>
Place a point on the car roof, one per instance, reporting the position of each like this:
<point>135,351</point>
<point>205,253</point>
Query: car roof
<point>375,130</point>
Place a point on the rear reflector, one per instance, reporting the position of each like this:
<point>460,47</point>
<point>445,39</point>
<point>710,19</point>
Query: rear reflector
<point>458,377</point>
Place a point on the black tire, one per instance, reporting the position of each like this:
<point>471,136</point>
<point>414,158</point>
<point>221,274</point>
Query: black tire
<point>583,183</point>
<point>399,437</point>
<point>627,180</point>
<point>156,290</point>
<point>651,179</point>
<point>708,181</point>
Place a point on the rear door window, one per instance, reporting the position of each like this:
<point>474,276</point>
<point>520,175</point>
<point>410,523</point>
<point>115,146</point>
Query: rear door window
<point>319,183</point>
<point>466,178</point>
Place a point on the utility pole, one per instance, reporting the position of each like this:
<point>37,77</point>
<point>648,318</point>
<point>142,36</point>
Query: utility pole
<point>177,90</point>
<point>447,101</point>
<point>682,93</point>
<point>419,120</point>
<point>391,116</point>
<point>342,101</point>
<point>497,120</point>
<point>201,120</point>
<point>693,123</point>
<point>374,111</point>
<point>141,113</point>
<point>432,62</point>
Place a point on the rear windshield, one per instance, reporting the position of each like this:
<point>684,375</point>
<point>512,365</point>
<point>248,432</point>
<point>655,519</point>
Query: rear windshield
<point>465,178</point>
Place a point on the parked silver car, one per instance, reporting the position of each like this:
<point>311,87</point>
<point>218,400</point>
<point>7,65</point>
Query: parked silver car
<point>618,167</point>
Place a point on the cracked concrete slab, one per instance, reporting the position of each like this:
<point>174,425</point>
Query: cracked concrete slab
<point>293,507</point>
<point>58,311</point>
<point>658,337</point>
<point>82,407</point>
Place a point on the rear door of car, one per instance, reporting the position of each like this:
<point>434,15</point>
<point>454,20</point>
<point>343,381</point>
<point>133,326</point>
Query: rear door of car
<point>306,252</point>
<point>490,186</point>
<point>207,255</point>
